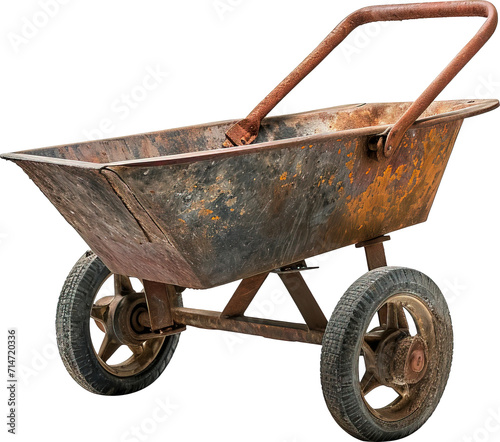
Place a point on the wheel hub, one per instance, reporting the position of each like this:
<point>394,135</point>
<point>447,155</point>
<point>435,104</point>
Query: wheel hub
<point>126,318</point>
<point>410,361</point>
<point>401,359</point>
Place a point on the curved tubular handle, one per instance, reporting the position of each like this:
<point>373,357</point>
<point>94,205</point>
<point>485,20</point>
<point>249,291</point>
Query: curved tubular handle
<point>246,130</point>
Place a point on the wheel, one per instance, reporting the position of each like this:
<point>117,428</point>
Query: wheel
<point>386,354</point>
<point>102,339</point>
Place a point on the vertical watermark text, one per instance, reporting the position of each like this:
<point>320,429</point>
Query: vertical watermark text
<point>11,381</point>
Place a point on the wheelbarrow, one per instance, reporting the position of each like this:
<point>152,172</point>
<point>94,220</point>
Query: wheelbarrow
<point>201,206</point>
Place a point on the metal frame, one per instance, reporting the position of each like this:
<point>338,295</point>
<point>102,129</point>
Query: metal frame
<point>374,251</point>
<point>166,317</point>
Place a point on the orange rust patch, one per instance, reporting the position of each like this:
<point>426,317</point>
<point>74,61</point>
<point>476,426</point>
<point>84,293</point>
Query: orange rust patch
<point>349,155</point>
<point>398,173</point>
<point>205,212</point>
<point>350,164</point>
<point>242,211</point>
<point>303,147</point>
<point>181,220</point>
<point>407,178</point>
<point>310,145</point>
<point>340,186</point>
<point>340,151</point>
<point>232,210</point>
<point>330,181</point>
<point>215,218</point>
<point>414,177</point>
<point>368,171</point>
<point>283,176</point>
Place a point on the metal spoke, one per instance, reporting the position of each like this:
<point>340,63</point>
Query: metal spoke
<point>395,317</point>
<point>382,316</point>
<point>374,336</point>
<point>148,350</point>
<point>369,356</point>
<point>100,309</point>
<point>402,320</point>
<point>392,316</point>
<point>368,383</point>
<point>136,349</point>
<point>123,286</point>
<point>108,347</point>
<point>402,390</point>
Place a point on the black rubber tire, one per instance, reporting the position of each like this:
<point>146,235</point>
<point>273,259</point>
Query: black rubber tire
<point>73,334</point>
<point>341,349</point>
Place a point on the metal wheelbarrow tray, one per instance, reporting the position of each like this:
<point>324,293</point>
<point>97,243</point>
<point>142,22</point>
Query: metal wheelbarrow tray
<point>175,207</point>
<point>205,205</point>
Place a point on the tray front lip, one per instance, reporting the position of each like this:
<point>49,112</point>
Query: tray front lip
<point>20,156</point>
<point>479,107</point>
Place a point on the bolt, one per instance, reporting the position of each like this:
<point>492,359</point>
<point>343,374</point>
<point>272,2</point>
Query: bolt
<point>143,319</point>
<point>417,361</point>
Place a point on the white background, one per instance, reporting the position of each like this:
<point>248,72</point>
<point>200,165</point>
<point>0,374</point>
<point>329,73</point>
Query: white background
<point>60,84</point>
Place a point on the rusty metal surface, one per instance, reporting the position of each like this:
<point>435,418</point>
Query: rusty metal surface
<point>232,317</point>
<point>285,331</point>
<point>244,295</point>
<point>374,251</point>
<point>203,142</point>
<point>304,299</point>
<point>375,257</point>
<point>91,205</point>
<point>208,217</point>
<point>295,267</point>
<point>242,215</point>
<point>247,130</point>
<point>159,301</point>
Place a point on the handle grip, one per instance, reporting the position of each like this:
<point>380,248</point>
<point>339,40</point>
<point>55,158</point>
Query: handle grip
<point>246,130</point>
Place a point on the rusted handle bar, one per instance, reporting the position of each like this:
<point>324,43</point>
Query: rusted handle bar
<point>246,130</point>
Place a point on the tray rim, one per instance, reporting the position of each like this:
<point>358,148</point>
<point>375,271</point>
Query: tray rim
<point>477,107</point>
